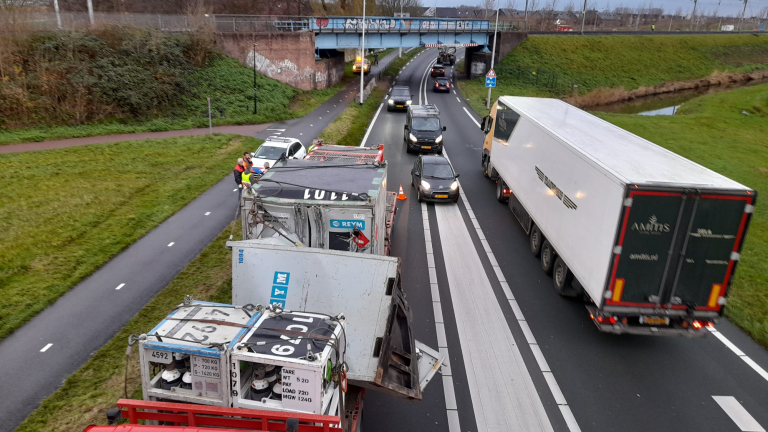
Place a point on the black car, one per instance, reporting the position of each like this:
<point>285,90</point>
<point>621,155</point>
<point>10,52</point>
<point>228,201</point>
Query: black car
<point>434,179</point>
<point>422,130</point>
<point>437,70</point>
<point>400,99</point>
<point>442,84</point>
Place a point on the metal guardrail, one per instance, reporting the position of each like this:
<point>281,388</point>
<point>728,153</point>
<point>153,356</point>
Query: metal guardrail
<point>260,23</point>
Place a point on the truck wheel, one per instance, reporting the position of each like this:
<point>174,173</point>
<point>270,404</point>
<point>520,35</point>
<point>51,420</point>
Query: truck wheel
<point>562,277</point>
<point>547,257</point>
<point>500,191</point>
<point>535,240</point>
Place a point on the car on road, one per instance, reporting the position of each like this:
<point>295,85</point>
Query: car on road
<point>422,130</point>
<point>434,179</point>
<point>274,148</point>
<point>437,70</point>
<point>442,84</point>
<point>400,99</point>
<point>359,64</point>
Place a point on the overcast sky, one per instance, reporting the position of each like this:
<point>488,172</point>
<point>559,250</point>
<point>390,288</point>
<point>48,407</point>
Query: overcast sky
<point>727,7</point>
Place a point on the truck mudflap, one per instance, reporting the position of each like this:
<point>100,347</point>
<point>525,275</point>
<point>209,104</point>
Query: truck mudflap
<point>649,323</point>
<point>405,365</point>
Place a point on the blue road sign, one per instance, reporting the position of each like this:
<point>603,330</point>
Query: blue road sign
<point>490,82</point>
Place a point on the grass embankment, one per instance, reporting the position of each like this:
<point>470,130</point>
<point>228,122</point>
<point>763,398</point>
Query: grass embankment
<point>66,212</point>
<point>398,63</point>
<point>551,65</point>
<point>86,395</point>
<point>713,131</point>
<point>121,80</point>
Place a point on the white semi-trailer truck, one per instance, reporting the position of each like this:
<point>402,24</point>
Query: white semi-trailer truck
<point>648,237</point>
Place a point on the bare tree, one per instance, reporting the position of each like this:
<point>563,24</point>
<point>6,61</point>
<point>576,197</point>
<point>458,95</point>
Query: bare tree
<point>570,7</point>
<point>390,7</point>
<point>510,4</point>
<point>487,5</point>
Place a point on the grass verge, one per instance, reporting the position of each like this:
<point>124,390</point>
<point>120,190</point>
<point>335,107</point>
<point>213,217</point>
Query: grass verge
<point>66,212</point>
<point>350,126</point>
<point>86,395</point>
<point>713,131</point>
<point>398,63</point>
<point>550,66</point>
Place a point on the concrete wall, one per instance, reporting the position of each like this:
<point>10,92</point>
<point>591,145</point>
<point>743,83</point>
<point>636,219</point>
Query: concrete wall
<point>286,57</point>
<point>507,41</point>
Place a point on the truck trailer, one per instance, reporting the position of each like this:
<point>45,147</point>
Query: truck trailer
<point>649,238</point>
<point>322,204</point>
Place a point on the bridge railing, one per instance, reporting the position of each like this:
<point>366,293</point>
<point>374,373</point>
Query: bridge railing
<point>396,25</point>
<point>261,23</point>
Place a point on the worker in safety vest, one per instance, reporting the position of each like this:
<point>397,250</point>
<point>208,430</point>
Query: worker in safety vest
<point>238,173</point>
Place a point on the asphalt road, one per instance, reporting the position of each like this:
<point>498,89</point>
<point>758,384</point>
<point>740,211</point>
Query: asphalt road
<point>606,382</point>
<point>37,358</point>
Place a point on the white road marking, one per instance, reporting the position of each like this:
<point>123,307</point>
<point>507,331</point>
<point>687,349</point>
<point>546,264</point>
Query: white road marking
<point>442,341</point>
<point>120,286</point>
<point>519,375</point>
<point>301,133</point>
<point>311,125</point>
<point>281,130</point>
<point>738,414</point>
<point>370,126</point>
<point>276,133</point>
<point>207,213</point>
<point>458,100</point>
<point>170,244</point>
<point>234,190</point>
<point>454,92</point>
<point>470,116</point>
<point>45,348</point>
<point>762,372</point>
<point>321,118</point>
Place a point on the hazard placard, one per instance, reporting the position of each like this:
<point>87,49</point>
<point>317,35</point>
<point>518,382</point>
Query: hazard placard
<point>491,74</point>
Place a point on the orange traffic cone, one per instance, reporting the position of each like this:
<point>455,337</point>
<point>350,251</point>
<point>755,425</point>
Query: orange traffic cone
<point>401,196</point>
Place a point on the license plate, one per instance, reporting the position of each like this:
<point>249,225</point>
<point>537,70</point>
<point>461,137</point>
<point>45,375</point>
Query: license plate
<point>654,320</point>
<point>426,147</point>
<point>399,106</point>
<point>163,357</point>
<point>441,196</point>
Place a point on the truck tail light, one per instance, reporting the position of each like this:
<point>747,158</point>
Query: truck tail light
<point>605,320</point>
<point>697,324</point>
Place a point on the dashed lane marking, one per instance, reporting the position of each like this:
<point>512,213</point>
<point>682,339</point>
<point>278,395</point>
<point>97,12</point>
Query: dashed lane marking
<point>119,286</point>
<point>45,348</point>
<point>738,414</point>
<point>170,244</point>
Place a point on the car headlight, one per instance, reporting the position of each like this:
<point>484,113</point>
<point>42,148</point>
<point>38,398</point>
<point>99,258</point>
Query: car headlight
<point>391,102</point>
<point>455,185</point>
<point>412,137</point>
<point>408,103</point>
<point>425,185</point>
<point>439,139</point>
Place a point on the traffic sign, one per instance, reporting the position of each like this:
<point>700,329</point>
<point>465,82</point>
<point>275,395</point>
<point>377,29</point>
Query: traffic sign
<point>490,78</point>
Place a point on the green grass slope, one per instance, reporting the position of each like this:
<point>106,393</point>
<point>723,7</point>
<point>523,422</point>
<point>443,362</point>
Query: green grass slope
<point>551,65</point>
<point>66,212</point>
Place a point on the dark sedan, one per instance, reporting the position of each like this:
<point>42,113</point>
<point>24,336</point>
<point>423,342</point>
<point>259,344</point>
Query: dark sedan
<point>400,99</point>
<point>442,84</point>
<point>437,70</point>
<point>435,180</point>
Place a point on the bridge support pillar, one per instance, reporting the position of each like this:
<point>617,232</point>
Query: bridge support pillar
<point>288,57</point>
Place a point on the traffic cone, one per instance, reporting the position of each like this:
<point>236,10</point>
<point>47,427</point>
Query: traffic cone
<point>401,196</point>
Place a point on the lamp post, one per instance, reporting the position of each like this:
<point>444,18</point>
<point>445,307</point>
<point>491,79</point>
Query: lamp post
<point>401,36</point>
<point>493,56</point>
<point>362,59</point>
<point>255,102</point>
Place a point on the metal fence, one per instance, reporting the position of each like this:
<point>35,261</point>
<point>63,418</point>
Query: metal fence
<point>260,23</point>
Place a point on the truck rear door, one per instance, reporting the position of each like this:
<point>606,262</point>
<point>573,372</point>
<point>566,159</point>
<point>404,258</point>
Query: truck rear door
<point>678,249</point>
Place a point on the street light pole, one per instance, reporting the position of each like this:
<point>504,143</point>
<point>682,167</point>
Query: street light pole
<point>401,36</point>
<point>493,56</point>
<point>525,19</point>
<point>693,17</point>
<point>744,12</point>
<point>362,59</point>
<point>255,102</point>
<point>58,16</point>
<point>583,16</point>
<point>90,11</point>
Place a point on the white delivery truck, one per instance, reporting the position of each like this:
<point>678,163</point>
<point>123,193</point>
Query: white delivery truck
<point>322,204</point>
<point>381,353</point>
<point>650,238</point>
